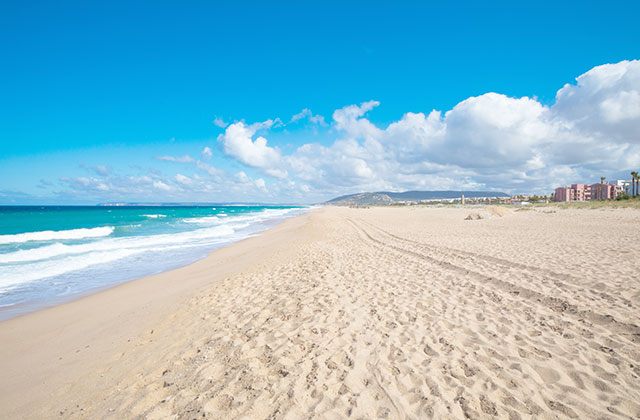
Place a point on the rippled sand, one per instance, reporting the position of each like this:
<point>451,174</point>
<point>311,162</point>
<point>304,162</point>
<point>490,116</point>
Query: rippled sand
<point>372,313</point>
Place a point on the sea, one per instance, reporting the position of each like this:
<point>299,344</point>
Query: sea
<point>53,254</point>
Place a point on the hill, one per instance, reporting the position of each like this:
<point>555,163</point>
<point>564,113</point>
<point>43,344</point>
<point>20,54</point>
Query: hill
<point>386,197</point>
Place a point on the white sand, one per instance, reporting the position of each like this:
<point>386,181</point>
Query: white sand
<point>382,312</point>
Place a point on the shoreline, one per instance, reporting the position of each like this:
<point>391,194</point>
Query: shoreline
<point>9,312</point>
<point>41,342</point>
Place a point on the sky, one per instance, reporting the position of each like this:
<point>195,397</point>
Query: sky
<point>298,102</point>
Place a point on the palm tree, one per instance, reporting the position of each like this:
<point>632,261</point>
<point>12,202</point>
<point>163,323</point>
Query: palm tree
<point>602,179</point>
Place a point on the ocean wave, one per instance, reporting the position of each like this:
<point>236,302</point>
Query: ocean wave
<point>62,259</point>
<point>202,220</point>
<point>59,259</point>
<point>155,216</point>
<point>53,235</point>
<point>253,217</point>
<point>144,243</point>
<point>21,274</point>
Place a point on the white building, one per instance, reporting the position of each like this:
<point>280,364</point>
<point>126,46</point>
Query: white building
<point>623,186</point>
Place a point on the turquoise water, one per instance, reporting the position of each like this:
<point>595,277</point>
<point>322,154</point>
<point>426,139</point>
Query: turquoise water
<point>49,254</point>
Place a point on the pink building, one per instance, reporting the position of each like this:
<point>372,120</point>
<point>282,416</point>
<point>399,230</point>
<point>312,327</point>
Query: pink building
<point>603,191</point>
<point>581,192</point>
<point>562,194</point>
<point>576,192</point>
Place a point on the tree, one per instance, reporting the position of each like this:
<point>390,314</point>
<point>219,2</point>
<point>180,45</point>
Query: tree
<point>635,183</point>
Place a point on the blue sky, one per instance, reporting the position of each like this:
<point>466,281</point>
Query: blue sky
<point>116,85</point>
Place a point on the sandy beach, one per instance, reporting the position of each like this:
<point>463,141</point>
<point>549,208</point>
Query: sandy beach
<point>410,312</point>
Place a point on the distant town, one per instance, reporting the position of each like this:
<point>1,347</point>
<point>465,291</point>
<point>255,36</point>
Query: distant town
<point>615,190</point>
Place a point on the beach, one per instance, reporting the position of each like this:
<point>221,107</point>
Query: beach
<point>54,254</point>
<point>383,312</point>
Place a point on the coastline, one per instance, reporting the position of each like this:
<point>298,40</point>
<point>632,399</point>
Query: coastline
<point>103,277</point>
<point>59,343</point>
<point>380,312</point>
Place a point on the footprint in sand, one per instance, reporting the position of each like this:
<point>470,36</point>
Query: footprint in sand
<point>548,375</point>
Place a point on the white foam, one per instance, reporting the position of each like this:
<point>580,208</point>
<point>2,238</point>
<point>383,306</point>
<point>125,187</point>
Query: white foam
<point>115,244</point>
<point>26,273</point>
<point>34,254</point>
<point>155,216</point>
<point>52,235</point>
<point>56,259</point>
<point>202,220</point>
<point>267,214</point>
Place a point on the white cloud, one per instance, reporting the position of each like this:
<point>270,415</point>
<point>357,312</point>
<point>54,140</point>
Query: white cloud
<point>243,177</point>
<point>244,180</point>
<point>178,159</point>
<point>306,113</point>
<point>490,141</point>
<point>206,153</point>
<point>604,100</point>
<point>219,122</point>
<point>302,114</point>
<point>261,184</point>
<point>348,119</point>
<point>491,129</point>
<point>115,187</point>
<point>161,186</point>
<point>183,179</point>
<point>265,125</point>
<point>94,185</point>
<point>211,170</point>
<point>102,170</point>
<point>238,142</point>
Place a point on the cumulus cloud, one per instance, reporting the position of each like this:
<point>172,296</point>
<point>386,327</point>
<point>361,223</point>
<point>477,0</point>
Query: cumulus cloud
<point>491,141</point>
<point>489,129</point>
<point>238,142</point>
<point>349,119</point>
<point>605,101</point>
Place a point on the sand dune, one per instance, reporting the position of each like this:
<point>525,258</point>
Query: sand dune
<point>372,313</point>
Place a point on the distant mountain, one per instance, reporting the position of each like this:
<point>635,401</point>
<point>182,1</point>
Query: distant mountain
<point>385,197</point>
<point>196,204</point>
